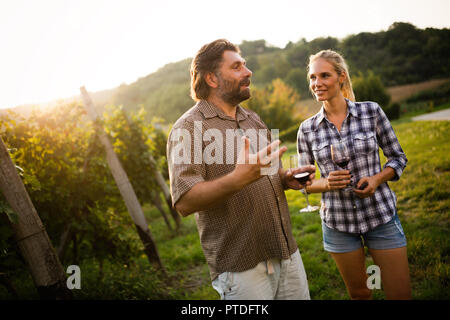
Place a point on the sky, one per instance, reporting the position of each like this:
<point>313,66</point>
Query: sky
<point>50,48</point>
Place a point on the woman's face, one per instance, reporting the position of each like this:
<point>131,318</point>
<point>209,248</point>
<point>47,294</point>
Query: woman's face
<point>324,81</point>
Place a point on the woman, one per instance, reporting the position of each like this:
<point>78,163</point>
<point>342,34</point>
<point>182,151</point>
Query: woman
<point>358,207</point>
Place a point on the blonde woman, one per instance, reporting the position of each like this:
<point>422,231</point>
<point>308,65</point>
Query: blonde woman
<point>358,207</point>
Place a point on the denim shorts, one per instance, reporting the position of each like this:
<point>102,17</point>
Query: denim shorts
<point>386,236</point>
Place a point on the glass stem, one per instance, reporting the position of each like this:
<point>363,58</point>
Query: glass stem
<point>306,196</point>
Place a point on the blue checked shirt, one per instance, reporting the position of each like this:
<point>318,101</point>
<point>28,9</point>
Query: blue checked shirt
<point>365,129</point>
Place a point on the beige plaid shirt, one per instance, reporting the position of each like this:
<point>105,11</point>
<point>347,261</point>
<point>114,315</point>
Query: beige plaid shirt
<point>252,225</point>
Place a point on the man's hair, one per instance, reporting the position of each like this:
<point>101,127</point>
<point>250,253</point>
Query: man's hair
<point>207,59</point>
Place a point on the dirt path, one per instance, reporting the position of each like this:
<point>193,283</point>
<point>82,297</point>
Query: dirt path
<point>438,115</point>
<point>399,93</point>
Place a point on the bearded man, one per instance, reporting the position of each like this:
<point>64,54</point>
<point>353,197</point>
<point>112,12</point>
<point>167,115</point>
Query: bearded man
<point>241,212</point>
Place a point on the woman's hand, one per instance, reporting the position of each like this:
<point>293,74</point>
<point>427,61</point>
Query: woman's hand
<point>338,179</point>
<point>369,186</point>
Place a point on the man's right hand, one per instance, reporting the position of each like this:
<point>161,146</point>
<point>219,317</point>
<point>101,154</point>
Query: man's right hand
<point>249,166</point>
<point>207,194</point>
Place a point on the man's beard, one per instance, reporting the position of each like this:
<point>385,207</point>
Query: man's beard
<point>233,95</point>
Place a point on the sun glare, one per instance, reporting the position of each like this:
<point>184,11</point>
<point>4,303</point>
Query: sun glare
<point>59,46</point>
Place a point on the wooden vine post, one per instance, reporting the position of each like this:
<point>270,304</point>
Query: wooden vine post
<point>125,187</point>
<point>30,234</point>
<point>165,190</point>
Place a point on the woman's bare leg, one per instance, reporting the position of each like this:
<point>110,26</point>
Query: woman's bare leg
<point>352,267</point>
<point>394,268</point>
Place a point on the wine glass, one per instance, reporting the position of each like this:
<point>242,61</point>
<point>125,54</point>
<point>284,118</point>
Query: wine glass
<point>341,157</point>
<point>302,161</point>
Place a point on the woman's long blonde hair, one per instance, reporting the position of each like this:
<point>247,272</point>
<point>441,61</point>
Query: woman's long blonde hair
<point>340,66</point>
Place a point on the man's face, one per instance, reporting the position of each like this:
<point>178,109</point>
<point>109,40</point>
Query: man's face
<point>233,79</point>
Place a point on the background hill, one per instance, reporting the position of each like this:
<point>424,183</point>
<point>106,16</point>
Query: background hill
<point>401,55</point>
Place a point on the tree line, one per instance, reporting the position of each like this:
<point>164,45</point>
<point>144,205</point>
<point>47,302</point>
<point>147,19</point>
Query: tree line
<point>402,54</point>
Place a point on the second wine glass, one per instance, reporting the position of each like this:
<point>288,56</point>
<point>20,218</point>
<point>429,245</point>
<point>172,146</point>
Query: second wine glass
<point>341,157</point>
<point>301,161</point>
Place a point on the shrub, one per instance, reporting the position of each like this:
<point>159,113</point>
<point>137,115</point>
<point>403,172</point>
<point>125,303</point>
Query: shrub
<point>370,88</point>
<point>438,95</point>
<point>392,111</point>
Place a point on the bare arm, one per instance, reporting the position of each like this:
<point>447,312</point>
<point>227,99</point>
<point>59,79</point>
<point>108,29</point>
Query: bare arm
<point>340,179</point>
<point>373,182</point>
<point>335,180</point>
<point>318,186</point>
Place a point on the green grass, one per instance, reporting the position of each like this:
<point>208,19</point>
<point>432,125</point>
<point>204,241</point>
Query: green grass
<point>413,109</point>
<point>423,206</point>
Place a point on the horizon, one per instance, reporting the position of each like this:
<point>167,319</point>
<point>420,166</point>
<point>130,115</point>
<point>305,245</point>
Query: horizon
<point>101,45</point>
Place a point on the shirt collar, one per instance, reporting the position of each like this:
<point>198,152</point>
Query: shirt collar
<point>351,109</point>
<point>320,117</point>
<point>210,110</point>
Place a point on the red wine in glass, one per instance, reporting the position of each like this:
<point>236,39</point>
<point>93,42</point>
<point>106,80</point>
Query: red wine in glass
<point>302,178</point>
<point>342,163</point>
<point>301,160</point>
<point>340,156</point>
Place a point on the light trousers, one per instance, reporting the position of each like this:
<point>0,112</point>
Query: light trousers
<point>274,279</point>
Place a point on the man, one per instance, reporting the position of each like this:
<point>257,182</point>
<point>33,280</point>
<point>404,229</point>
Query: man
<point>241,212</point>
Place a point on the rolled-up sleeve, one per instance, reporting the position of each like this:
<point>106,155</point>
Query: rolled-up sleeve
<point>184,170</point>
<point>396,158</point>
<point>303,148</point>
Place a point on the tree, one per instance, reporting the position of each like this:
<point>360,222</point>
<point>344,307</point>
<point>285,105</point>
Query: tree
<point>275,104</point>
<point>255,47</point>
<point>370,88</point>
<point>296,78</point>
<point>265,74</point>
<point>298,54</point>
